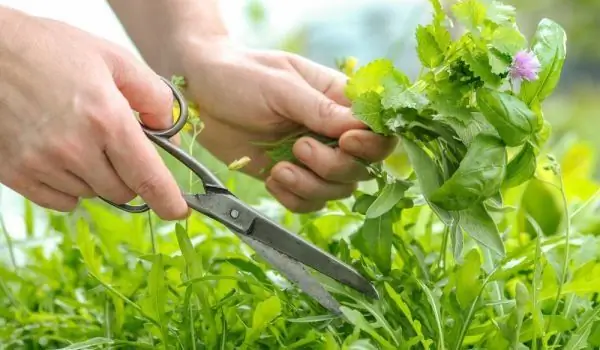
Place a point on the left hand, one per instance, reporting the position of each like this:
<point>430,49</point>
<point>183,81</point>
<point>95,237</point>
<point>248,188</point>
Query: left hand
<point>248,96</point>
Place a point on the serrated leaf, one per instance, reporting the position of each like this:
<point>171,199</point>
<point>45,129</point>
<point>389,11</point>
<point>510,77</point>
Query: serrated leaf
<point>471,13</point>
<point>367,107</point>
<point>430,54</point>
<point>398,96</point>
<point>499,62</point>
<point>368,78</point>
<point>508,40</point>
<point>500,13</point>
<point>479,64</point>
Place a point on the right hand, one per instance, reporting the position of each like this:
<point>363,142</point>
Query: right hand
<point>67,129</point>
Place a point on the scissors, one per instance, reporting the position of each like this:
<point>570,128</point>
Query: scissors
<point>285,251</point>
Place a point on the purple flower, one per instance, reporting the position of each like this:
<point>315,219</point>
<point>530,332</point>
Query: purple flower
<point>525,65</point>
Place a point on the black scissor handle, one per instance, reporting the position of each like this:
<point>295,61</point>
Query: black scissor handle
<point>161,137</point>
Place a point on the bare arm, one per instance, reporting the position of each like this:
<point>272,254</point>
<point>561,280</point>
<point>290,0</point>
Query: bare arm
<point>161,27</point>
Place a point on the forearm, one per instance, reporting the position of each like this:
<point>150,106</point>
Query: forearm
<point>161,28</point>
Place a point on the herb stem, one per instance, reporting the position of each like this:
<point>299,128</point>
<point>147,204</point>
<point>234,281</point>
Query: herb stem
<point>152,238</point>
<point>565,268</point>
<point>466,324</point>
<point>442,258</point>
<point>8,238</point>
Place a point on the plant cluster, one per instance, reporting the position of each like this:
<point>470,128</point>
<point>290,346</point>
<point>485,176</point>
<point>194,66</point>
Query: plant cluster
<point>477,238</point>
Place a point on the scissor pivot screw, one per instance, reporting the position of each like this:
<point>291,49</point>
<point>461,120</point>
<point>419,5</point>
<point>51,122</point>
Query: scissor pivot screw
<point>234,213</point>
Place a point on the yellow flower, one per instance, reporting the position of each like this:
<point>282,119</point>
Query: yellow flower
<point>349,65</point>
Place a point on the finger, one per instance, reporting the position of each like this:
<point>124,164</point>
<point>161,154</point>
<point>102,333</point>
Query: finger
<point>367,145</point>
<point>144,90</point>
<point>42,194</point>
<point>308,185</point>
<point>68,183</point>
<point>331,164</point>
<point>97,171</point>
<point>328,81</point>
<point>141,168</point>
<point>307,106</point>
<point>291,201</point>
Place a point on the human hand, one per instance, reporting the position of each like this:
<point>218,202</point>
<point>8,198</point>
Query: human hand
<point>67,129</point>
<point>251,96</point>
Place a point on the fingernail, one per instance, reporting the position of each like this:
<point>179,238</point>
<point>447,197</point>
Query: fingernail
<point>304,150</point>
<point>286,176</point>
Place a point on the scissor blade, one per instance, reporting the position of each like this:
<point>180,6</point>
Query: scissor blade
<point>287,243</point>
<point>294,272</point>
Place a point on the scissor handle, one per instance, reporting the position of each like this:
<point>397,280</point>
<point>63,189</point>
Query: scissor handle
<point>161,137</point>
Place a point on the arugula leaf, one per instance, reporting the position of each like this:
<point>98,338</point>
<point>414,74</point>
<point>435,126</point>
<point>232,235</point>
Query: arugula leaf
<point>375,240</point>
<point>390,195</point>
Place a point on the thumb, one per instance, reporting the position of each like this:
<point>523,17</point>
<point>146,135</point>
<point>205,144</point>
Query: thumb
<point>146,92</point>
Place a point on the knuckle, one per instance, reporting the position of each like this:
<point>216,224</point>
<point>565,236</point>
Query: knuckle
<point>29,161</point>
<point>326,108</point>
<point>148,186</point>
<point>101,112</point>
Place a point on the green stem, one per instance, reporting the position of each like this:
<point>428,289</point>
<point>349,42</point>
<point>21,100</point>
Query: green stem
<point>565,267</point>
<point>442,259</point>
<point>8,238</point>
<point>467,323</point>
<point>152,238</point>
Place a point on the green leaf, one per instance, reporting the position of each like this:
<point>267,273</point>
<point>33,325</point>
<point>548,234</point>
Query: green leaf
<point>428,174</point>
<point>500,13</point>
<point>359,321</point>
<point>508,40</point>
<point>478,177</point>
<point>87,248</point>
<point>478,223</point>
<point>521,168</point>
<point>471,13</point>
<point>549,45</point>
<point>374,239</point>
<point>479,64</point>
<point>430,54</point>
<point>367,108</point>
<point>398,96</point>
<point>390,195</point>
<point>265,312</point>
<point>510,116</point>
<point>468,283</point>
<point>368,78</point>
<point>415,324</point>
